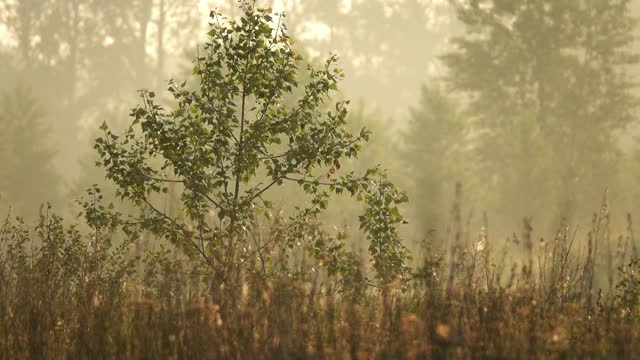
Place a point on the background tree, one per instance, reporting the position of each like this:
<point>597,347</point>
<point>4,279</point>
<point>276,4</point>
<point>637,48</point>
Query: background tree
<point>93,53</point>
<point>433,154</point>
<point>370,35</point>
<point>27,176</point>
<point>548,86</point>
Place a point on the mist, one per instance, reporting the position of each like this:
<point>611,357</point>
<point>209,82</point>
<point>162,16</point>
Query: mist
<point>391,144</point>
<point>70,65</point>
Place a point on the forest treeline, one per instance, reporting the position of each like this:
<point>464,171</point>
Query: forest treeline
<point>531,106</point>
<point>532,111</point>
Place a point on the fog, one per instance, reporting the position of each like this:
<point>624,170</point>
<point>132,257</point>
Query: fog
<point>530,106</point>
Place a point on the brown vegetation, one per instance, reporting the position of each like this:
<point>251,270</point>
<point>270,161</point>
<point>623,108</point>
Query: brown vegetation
<point>67,294</point>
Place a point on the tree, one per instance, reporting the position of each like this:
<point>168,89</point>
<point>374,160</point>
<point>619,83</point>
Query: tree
<point>433,154</point>
<point>27,175</point>
<point>233,139</point>
<point>547,84</point>
<point>92,52</point>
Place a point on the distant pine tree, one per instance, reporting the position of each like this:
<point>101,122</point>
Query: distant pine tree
<point>433,147</point>
<point>27,174</point>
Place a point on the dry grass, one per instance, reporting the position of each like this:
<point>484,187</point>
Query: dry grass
<point>65,294</point>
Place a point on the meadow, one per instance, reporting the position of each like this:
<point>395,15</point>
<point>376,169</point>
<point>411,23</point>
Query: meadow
<point>66,293</point>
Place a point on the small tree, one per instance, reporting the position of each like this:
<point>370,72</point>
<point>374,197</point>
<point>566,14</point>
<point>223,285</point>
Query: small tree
<point>234,138</point>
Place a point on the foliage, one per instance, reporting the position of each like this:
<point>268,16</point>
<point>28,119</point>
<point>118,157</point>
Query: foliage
<point>233,139</point>
<point>628,287</point>
<point>548,86</point>
<point>58,283</point>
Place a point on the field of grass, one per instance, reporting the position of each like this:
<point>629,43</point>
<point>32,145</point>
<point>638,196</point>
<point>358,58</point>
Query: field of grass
<point>67,293</point>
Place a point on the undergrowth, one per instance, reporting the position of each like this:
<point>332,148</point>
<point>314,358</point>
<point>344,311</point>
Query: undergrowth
<point>98,293</point>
